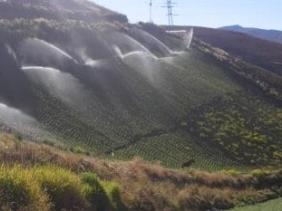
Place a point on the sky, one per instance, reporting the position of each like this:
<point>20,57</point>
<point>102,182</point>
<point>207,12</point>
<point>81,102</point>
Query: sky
<point>265,14</point>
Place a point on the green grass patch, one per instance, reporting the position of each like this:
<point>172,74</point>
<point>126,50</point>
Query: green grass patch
<point>273,205</point>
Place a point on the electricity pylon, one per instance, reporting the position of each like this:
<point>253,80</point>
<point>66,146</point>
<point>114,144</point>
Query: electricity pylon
<point>170,14</point>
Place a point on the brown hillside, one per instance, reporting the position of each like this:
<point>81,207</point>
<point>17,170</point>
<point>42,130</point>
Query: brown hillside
<point>254,50</point>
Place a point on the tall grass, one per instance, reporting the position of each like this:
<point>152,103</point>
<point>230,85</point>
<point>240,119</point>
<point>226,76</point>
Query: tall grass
<point>20,191</point>
<point>64,188</point>
<point>95,192</point>
<point>51,188</point>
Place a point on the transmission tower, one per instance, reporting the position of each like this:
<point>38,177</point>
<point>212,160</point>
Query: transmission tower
<point>170,14</point>
<point>150,11</point>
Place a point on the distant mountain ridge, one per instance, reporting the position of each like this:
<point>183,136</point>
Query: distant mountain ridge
<point>270,35</point>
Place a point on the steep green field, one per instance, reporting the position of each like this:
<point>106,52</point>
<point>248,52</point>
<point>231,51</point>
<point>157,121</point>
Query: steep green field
<point>121,101</point>
<point>94,86</point>
<point>175,149</point>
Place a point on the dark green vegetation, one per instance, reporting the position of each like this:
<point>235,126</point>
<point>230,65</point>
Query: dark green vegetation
<point>246,128</point>
<point>38,177</point>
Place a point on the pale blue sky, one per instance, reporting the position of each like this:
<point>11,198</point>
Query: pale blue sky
<point>213,13</point>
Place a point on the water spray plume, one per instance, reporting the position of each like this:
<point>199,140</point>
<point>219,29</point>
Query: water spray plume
<point>17,120</point>
<point>187,36</point>
<point>151,42</point>
<point>126,43</point>
<point>34,49</point>
<point>60,84</point>
<point>88,61</point>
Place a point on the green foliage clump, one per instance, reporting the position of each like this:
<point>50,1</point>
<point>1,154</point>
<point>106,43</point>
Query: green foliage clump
<point>277,155</point>
<point>78,150</point>
<point>112,190</point>
<point>53,188</point>
<point>63,187</point>
<point>19,190</point>
<point>232,172</point>
<point>247,128</point>
<point>95,192</point>
<point>259,173</point>
<point>103,195</point>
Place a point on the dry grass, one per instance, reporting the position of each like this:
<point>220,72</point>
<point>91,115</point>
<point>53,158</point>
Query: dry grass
<point>145,186</point>
<point>19,191</point>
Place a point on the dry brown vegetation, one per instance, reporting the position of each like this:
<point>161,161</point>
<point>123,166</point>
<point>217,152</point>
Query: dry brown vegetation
<point>145,186</point>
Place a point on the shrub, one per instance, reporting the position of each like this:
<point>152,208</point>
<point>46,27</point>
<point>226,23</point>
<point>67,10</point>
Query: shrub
<point>63,187</point>
<point>203,198</point>
<point>48,142</point>
<point>95,192</point>
<point>259,173</point>
<point>103,195</point>
<point>232,172</point>
<point>19,191</point>
<point>19,137</point>
<point>78,150</point>
<point>113,192</point>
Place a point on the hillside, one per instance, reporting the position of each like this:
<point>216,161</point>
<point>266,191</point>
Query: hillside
<point>58,10</point>
<point>121,90</point>
<point>270,35</point>
<point>78,77</point>
<point>257,51</point>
